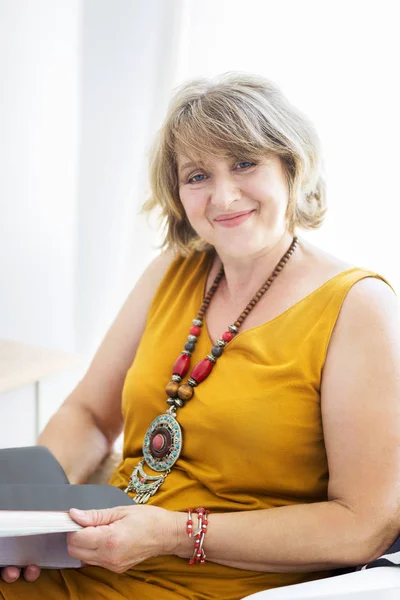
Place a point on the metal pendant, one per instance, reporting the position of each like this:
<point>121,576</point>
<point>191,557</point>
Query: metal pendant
<point>162,446</point>
<point>144,485</point>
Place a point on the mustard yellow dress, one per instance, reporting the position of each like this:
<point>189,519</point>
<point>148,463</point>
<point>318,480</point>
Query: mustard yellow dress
<point>253,435</point>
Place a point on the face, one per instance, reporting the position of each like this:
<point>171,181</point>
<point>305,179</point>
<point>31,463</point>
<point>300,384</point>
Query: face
<point>237,206</point>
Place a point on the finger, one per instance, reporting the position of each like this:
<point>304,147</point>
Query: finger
<point>10,574</point>
<point>94,518</point>
<point>87,538</point>
<point>87,557</point>
<point>31,572</point>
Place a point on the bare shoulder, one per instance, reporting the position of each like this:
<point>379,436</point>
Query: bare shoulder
<point>138,302</point>
<point>321,264</point>
<point>371,303</point>
<point>157,268</point>
<point>367,328</point>
<point>369,300</point>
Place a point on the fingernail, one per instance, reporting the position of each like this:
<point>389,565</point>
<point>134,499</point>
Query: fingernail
<point>13,572</point>
<point>79,513</point>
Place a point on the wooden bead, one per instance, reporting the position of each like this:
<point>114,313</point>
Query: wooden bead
<point>185,392</point>
<point>172,389</point>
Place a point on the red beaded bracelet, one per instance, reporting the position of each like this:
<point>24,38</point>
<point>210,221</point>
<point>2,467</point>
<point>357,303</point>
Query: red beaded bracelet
<point>198,556</point>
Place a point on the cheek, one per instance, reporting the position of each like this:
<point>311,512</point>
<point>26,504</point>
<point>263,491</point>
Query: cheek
<point>194,204</point>
<point>273,193</point>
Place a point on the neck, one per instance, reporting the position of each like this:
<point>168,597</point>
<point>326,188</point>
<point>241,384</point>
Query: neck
<point>243,276</point>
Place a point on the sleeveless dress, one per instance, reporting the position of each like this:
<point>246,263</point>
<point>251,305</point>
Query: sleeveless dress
<point>253,435</point>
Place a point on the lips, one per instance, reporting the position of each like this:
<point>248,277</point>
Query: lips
<point>230,216</point>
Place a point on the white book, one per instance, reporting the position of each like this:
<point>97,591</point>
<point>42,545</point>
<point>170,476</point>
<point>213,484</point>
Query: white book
<point>36,537</point>
<point>35,499</point>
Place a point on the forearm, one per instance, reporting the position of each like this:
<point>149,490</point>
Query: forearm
<point>299,538</point>
<point>76,441</point>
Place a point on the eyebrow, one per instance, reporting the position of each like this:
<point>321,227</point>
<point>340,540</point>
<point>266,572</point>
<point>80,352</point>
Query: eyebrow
<point>190,164</point>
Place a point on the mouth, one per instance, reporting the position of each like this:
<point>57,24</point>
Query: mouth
<point>229,217</point>
<point>233,219</point>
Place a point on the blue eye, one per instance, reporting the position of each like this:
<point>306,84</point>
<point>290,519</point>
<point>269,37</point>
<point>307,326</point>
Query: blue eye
<point>246,164</point>
<point>194,180</point>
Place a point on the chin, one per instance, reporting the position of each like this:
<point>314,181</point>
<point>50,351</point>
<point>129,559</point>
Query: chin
<point>237,249</point>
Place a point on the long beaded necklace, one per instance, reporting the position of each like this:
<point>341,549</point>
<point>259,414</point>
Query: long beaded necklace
<point>162,443</point>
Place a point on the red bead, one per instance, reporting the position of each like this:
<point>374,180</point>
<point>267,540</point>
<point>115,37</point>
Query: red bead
<point>202,370</point>
<point>227,336</point>
<point>181,365</point>
<point>195,330</point>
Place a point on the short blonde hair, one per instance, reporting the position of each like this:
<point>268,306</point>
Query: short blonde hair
<point>234,115</point>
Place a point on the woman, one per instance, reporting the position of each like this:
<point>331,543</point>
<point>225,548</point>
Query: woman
<point>290,423</point>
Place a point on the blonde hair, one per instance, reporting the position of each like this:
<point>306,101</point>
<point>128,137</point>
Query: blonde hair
<point>234,115</point>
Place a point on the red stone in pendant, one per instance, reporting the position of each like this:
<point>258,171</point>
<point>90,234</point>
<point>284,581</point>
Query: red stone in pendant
<point>202,370</point>
<point>142,480</point>
<point>181,365</point>
<point>158,442</point>
<point>227,336</point>
<point>195,330</point>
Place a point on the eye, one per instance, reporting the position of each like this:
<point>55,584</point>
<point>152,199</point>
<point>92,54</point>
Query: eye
<point>194,179</point>
<point>244,164</point>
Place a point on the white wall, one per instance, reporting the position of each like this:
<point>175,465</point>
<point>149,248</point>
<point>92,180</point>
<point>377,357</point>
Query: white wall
<point>39,88</point>
<point>337,60</point>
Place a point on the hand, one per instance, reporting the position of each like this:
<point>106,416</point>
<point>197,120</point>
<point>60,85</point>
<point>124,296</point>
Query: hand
<point>11,574</point>
<point>119,538</point>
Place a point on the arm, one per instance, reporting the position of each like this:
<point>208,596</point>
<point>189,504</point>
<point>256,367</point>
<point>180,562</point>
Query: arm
<point>361,418</point>
<point>83,430</point>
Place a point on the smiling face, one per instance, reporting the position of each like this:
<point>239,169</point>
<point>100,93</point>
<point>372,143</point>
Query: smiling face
<point>238,207</point>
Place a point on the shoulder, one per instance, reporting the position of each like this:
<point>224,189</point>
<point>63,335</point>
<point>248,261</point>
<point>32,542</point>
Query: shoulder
<point>166,276</point>
<point>367,330</point>
<point>143,292</point>
<point>366,303</point>
<point>161,263</point>
<point>364,287</point>
<point>369,301</point>
<point>155,271</point>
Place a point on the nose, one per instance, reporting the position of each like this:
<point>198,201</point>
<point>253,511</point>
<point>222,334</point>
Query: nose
<point>224,192</point>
